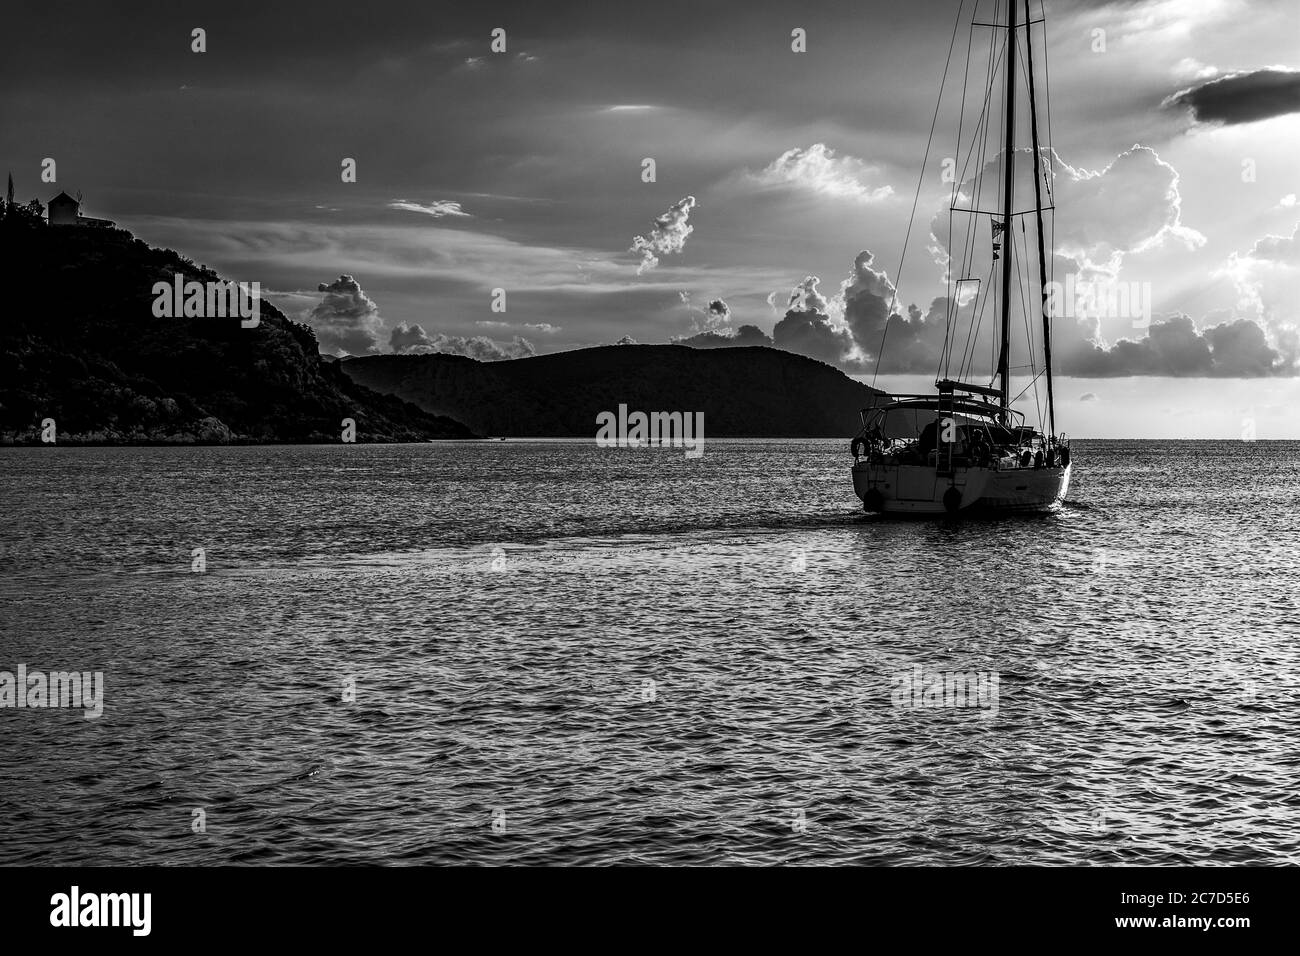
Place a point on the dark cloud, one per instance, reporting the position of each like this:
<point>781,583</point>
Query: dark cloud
<point>1169,348</point>
<point>912,343</point>
<point>812,333</point>
<point>1088,397</point>
<point>1242,97</point>
<point>713,339</point>
<point>719,310</point>
<point>1175,347</point>
<point>346,319</point>
<point>1241,350</point>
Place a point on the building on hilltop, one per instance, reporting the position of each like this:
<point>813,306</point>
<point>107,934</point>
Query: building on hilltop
<point>66,211</point>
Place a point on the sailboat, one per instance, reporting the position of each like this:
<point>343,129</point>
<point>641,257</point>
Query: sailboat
<point>966,447</point>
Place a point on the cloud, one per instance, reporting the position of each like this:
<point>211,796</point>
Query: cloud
<point>668,234</point>
<point>811,333</point>
<point>482,348</point>
<point>805,296</point>
<point>626,340</point>
<point>727,338</point>
<point>820,171</point>
<point>1241,350</point>
<point>426,250</point>
<point>1279,248</point>
<point>714,316</point>
<point>1267,283</point>
<point>1244,97</point>
<point>1133,205</point>
<point>1189,68</point>
<point>407,338</point>
<point>544,327</point>
<point>437,209</point>
<point>807,328</point>
<point>413,340</point>
<point>1175,347</point>
<point>913,343</point>
<point>918,341</point>
<point>1088,397</point>
<point>346,320</point>
<point>1130,206</point>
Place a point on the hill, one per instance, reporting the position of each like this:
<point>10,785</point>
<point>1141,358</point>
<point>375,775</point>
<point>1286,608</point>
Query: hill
<point>751,392</point>
<point>79,343</point>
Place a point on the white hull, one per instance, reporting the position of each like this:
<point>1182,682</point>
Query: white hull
<point>920,489</point>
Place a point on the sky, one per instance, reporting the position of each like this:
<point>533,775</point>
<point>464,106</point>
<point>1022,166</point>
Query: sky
<point>783,185</point>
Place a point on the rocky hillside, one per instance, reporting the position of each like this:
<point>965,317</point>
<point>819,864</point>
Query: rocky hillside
<point>79,344</point>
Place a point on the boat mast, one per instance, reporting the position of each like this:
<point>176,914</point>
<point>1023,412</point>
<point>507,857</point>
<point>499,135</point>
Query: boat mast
<point>1009,161</point>
<point>1038,209</point>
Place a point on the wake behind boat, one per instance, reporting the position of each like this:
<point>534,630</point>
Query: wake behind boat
<point>964,447</point>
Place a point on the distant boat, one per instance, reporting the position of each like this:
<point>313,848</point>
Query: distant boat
<point>964,448</point>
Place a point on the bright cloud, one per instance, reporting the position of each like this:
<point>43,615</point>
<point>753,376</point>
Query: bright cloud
<point>437,209</point>
<point>346,320</point>
<point>821,171</point>
<point>668,234</point>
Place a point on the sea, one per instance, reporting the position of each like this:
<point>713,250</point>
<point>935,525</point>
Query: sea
<point>545,652</point>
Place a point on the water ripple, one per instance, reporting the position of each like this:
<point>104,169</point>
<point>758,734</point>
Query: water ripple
<point>551,653</point>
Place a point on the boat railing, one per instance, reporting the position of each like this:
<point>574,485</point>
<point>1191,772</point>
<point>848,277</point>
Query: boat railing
<point>988,444</point>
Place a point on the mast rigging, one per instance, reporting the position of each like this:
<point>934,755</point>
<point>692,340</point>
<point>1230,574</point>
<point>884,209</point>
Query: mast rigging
<point>1009,163</point>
